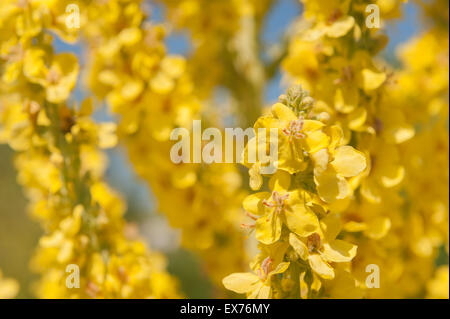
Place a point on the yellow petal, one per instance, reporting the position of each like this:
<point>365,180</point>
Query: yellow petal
<point>255,290</point>
<point>371,191</point>
<point>281,268</point>
<point>184,178</point>
<point>337,135</point>
<point>253,203</point>
<point>130,36</point>
<point>268,122</point>
<point>316,284</point>
<point>400,133</point>
<point>349,162</point>
<point>341,27</point>
<point>312,125</point>
<point>331,226</point>
<point>320,267</point>
<point>355,227</point>
<point>107,137</point>
<point>372,80</point>
<point>66,65</point>
<point>291,157</point>
<point>378,227</point>
<point>162,83</point>
<point>357,118</point>
<point>339,251</point>
<point>320,159</point>
<point>315,141</point>
<point>131,89</point>
<point>304,289</point>
<point>392,175</point>
<point>174,65</point>
<point>299,247</point>
<point>34,65</point>
<point>331,186</point>
<point>346,99</point>
<point>71,225</point>
<point>280,181</point>
<point>240,282</point>
<point>265,292</point>
<point>86,107</point>
<point>268,228</point>
<point>300,220</point>
<point>283,112</point>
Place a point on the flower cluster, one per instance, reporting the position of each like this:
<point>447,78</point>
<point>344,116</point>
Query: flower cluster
<point>379,197</point>
<point>297,222</point>
<point>362,154</point>
<point>152,94</point>
<point>60,165</point>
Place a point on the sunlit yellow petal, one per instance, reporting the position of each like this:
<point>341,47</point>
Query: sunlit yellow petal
<point>253,203</point>
<point>299,247</point>
<point>240,282</point>
<point>339,251</point>
<point>348,162</point>
<point>320,267</point>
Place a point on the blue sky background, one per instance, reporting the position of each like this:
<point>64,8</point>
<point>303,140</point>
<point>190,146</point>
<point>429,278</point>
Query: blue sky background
<point>282,15</point>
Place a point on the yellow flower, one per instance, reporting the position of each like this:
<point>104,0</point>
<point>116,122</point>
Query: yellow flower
<point>58,79</point>
<point>384,172</point>
<point>296,136</point>
<point>322,248</point>
<point>278,208</point>
<point>330,16</point>
<point>256,286</point>
<point>332,168</point>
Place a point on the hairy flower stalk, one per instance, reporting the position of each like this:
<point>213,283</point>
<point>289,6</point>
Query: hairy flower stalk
<point>60,165</point>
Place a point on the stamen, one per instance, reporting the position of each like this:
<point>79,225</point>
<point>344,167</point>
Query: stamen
<point>313,242</point>
<point>265,268</point>
<point>267,203</point>
<point>277,202</point>
<point>53,76</point>
<point>250,215</point>
<point>294,130</point>
<point>248,226</point>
